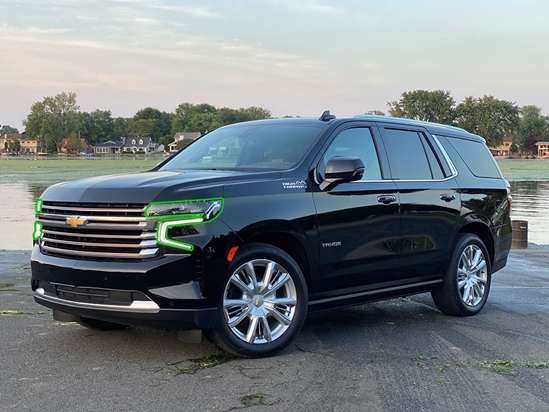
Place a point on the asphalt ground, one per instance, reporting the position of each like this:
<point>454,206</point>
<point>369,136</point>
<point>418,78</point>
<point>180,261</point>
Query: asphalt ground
<point>397,355</point>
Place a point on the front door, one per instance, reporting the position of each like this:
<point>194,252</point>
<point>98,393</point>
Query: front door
<point>358,222</point>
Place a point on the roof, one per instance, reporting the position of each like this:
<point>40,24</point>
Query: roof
<point>110,143</point>
<point>131,141</point>
<point>187,135</point>
<point>431,127</point>
<point>540,143</point>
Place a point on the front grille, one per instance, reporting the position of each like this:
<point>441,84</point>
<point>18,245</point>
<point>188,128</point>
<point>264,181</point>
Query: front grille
<point>97,231</point>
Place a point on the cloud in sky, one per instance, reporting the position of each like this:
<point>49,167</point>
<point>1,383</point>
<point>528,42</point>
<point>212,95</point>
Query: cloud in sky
<point>295,58</point>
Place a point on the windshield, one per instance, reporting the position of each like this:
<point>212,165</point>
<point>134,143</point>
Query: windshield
<point>248,147</point>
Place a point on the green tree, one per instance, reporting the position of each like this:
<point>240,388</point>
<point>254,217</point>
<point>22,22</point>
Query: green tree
<point>186,111</point>
<point>531,122</point>
<point>14,145</point>
<point>255,113</point>
<point>151,122</point>
<point>7,129</point>
<point>488,117</point>
<point>432,106</point>
<point>120,128</point>
<point>53,119</point>
<point>202,122</point>
<point>74,144</point>
<point>182,143</point>
<point>142,127</point>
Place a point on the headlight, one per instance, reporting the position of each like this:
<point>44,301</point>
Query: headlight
<point>182,213</point>
<point>207,209</point>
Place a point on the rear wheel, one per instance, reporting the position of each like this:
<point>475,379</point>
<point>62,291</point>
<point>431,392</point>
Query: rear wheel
<point>264,303</point>
<point>101,324</point>
<point>466,283</point>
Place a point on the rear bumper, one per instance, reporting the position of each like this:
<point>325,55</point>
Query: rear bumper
<point>502,247</point>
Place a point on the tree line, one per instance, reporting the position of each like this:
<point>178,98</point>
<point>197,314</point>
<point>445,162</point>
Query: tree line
<point>486,116</point>
<point>59,117</point>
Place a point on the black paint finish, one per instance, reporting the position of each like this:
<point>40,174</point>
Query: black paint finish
<point>356,242</point>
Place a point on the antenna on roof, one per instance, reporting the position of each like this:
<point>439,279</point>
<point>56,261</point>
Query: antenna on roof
<point>326,116</point>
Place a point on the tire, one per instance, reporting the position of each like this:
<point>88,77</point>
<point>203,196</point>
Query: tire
<point>100,324</point>
<point>259,317</point>
<point>466,283</point>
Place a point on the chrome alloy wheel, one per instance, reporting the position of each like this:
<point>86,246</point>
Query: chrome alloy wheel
<point>259,301</point>
<point>472,275</point>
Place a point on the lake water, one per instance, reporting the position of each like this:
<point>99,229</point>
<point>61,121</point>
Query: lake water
<point>19,191</point>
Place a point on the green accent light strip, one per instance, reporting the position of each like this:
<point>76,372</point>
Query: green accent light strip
<point>37,233</point>
<point>199,211</point>
<point>162,233</point>
<point>38,206</point>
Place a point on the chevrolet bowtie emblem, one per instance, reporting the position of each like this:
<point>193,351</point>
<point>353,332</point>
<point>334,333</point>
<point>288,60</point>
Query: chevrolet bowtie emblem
<point>75,222</point>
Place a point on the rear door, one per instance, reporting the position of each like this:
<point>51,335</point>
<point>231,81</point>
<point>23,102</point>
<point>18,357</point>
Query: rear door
<point>430,203</point>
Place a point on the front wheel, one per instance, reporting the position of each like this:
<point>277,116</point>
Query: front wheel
<point>466,283</point>
<point>263,305</point>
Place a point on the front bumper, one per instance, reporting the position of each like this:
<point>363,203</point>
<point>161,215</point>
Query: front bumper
<point>165,292</point>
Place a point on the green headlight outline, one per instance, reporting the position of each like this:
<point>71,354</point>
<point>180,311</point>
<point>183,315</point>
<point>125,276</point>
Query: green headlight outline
<point>38,206</point>
<point>37,232</point>
<point>186,215</point>
<point>167,222</point>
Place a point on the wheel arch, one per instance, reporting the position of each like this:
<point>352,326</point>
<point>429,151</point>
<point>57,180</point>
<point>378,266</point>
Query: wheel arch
<point>285,236</point>
<point>482,230</point>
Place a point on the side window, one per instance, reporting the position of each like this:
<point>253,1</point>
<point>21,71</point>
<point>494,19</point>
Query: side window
<point>478,158</point>
<point>411,156</point>
<point>356,142</point>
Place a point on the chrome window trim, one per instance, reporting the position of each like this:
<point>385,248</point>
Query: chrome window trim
<point>448,160</point>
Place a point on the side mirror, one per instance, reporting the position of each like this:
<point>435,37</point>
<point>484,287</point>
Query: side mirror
<point>342,170</point>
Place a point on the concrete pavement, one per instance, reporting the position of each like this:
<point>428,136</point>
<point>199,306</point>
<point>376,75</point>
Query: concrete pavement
<point>398,355</point>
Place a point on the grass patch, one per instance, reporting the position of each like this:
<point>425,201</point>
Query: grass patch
<point>20,312</point>
<point>205,362</point>
<point>508,366</point>
<point>7,287</point>
<point>257,399</point>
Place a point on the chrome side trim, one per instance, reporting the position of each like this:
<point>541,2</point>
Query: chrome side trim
<point>137,306</point>
<point>448,160</point>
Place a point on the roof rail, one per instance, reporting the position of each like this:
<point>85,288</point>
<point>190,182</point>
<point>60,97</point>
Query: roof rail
<point>406,120</point>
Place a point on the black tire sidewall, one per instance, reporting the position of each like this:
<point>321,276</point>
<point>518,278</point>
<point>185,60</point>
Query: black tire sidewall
<point>223,334</point>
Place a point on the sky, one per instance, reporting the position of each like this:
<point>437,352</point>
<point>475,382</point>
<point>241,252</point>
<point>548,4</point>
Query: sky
<point>292,57</point>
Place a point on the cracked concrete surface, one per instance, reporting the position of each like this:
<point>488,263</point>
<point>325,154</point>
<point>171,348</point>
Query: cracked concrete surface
<point>398,355</point>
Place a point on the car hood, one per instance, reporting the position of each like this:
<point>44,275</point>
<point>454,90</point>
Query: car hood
<point>150,186</point>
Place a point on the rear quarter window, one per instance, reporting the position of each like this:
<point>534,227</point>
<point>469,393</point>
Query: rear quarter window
<point>476,156</point>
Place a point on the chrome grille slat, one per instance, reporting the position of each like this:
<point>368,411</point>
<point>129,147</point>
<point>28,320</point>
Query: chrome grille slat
<point>141,236</point>
<point>103,231</point>
<point>84,244</point>
<point>83,210</point>
<point>96,218</point>
<point>108,255</point>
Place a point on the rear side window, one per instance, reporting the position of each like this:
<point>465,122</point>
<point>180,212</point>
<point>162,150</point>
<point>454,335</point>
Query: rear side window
<point>476,156</point>
<point>410,156</point>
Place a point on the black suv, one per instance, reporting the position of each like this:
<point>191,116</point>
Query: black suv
<point>254,225</point>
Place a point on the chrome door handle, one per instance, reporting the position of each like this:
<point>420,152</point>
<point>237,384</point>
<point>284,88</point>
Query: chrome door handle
<point>386,199</point>
<point>447,198</point>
